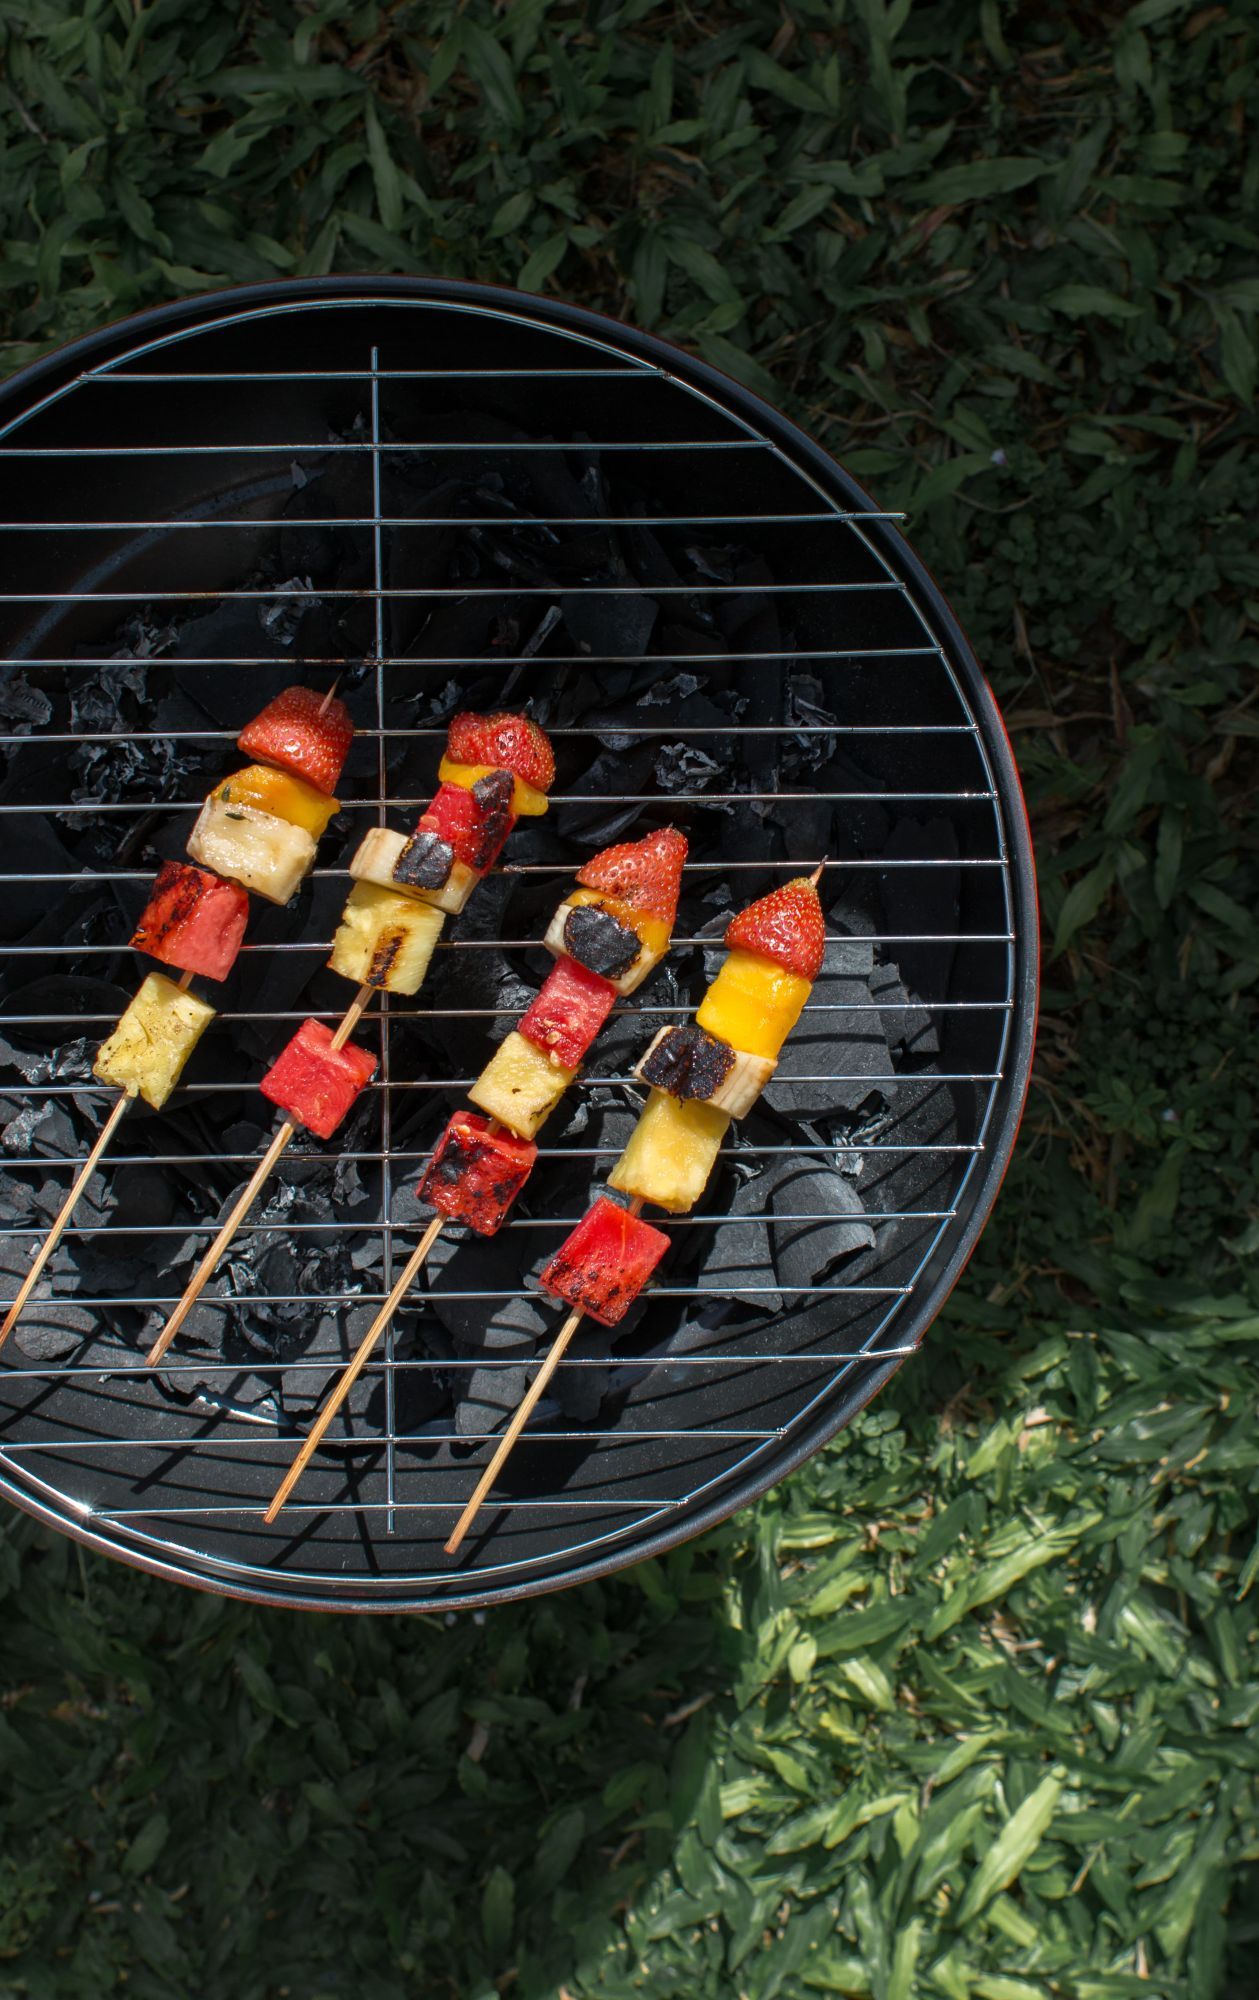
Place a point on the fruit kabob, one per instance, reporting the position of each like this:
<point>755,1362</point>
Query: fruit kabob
<point>607,936</point>
<point>699,1078</point>
<point>496,769</point>
<point>256,831</point>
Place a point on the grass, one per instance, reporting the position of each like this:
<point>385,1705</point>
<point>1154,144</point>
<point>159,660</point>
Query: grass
<point>965,1709</point>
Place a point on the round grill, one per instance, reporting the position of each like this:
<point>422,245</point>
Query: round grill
<point>453,496</point>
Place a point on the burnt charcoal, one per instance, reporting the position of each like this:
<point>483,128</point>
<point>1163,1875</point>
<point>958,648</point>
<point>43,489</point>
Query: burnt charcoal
<point>617,627</point>
<point>735,1256</point>
<point>596,939</point>
<point>838,1046</point>
<point>425,862</point>
<point>909,1029</point>
<point>22,706</point>
<point>923,902</point>
<point>687,1062</point>
<point>579,1392</point>
<point>806,1252</point>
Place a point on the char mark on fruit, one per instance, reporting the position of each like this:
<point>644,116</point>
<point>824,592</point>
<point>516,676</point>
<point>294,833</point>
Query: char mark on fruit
<point>687,1062</point>
<point>597,941</point>
<point>493,795</point>
<point>425,862</point>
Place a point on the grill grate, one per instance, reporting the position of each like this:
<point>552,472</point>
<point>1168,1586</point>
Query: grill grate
<point>718,1389</point>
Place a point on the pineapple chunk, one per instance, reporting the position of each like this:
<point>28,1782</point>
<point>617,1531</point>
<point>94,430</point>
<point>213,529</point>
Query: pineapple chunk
<point>520,1086</point>
<point>154,1039</point>
<point>527,802</point>
<point>600,953</point>
<point>257,849</point>
<point>385,939</point>
<point>277,792</point>
<point>752,1004</point>
<point>694,1066</point>
<point>671,1152</point>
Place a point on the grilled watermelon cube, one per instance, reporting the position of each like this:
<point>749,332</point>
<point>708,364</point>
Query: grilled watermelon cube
<point>147,1051</point>
<point>303,732</point>
<point>568,1012</point>
<point>476,1172</point>
<point>473,822</point>
<point>603,1264</point>
<point>315,1084</point>
<point>193,921</point>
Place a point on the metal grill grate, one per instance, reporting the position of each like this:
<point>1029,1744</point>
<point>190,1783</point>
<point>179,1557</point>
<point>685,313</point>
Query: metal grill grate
<point>708,1399</point>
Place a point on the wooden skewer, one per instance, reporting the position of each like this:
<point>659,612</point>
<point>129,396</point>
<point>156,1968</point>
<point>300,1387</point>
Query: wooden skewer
<point>319,1428</point>
<point>71,1202</point>
<point>532,1397</point>
<point>64,1213</point>
<point>205,1269</point>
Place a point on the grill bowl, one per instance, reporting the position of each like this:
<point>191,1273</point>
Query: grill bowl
<point>243,470</point>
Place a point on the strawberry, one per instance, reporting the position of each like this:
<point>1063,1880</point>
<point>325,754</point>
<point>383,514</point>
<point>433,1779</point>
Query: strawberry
<point>787,926</point>
<point>298,733</point>
<point>646,874</point>
<point>506,743</point>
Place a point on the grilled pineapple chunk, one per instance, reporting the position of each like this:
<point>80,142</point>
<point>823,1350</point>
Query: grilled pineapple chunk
<point>520,1086</point>
<point>154,1039</point>
<point>259,850</point>
<point>671,1152</point>
<point>385,939</point>
<point>752,1004</point>
<point>381,859</point>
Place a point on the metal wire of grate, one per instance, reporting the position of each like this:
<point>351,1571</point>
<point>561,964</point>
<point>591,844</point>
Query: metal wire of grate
<point>174,1472</point>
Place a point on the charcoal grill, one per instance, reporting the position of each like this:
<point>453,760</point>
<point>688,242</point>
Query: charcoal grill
<point>452,495</point>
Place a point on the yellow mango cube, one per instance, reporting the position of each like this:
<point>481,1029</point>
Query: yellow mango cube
<point>155,1037</point>
<point>753,1005</point>
<point>671,1153</point>
<point>527,802</point>
<point>520,1086</point>
<point>384,939</point>
<point>276,792</point>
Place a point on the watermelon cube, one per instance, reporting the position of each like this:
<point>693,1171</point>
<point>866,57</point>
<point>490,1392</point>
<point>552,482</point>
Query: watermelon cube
<point>315,1084</point>
<point>568,1012</point>
<point>193,920</point>
<point>476,1172</point>
<point>603,1264</point>
<point>474,823</point>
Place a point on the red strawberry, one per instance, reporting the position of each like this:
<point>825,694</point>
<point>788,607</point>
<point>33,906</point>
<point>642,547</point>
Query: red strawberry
<point>646,874</point>
<point>297,733</point>
<point>787,926</point>
<point>506,743</point>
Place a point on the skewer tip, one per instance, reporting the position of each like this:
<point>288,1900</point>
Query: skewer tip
<point>325,703</point>
<point>816,876</point>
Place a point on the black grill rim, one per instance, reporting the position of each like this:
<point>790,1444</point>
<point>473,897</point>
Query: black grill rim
<point>42,376</point>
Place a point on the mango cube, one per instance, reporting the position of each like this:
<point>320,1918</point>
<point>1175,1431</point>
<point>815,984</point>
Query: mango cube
<point>279,793</point>
<point>753,1005</point>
